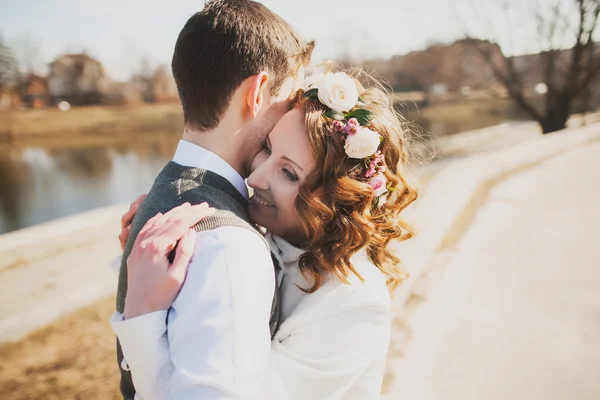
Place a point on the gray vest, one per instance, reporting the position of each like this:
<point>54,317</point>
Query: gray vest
<point>174,186</point>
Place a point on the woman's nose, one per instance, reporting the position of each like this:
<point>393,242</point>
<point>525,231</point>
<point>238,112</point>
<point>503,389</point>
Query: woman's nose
<point>258,177</point>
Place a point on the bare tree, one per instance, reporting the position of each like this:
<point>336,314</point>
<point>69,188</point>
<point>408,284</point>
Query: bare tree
<point>27,52</point>
<point>8,66</point>
<point>145,67</point>
<point>567,62</point>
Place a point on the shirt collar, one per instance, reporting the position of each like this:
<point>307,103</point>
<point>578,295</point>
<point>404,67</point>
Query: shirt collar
<point>287,252</point>
<point>191,155</point>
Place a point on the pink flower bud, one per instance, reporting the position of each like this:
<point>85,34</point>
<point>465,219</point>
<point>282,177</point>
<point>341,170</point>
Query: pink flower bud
<point>353,123</point>
<point>339,126</point>
<point>352,126</point>
<point>370,172</point>
<point>377,182</point>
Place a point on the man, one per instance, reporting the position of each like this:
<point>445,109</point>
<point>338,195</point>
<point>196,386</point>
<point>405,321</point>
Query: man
<point>231,61</point>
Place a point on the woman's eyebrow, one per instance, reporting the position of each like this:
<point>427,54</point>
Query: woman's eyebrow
<point>293,162</point>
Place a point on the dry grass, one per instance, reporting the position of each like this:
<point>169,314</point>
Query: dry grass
<point>86,120</point>
<point>74,358</point>
<point>98,126</point>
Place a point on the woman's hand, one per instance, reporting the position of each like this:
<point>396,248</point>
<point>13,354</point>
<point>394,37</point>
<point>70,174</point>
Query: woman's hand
<point>127,218</point>
<point>153,283</point>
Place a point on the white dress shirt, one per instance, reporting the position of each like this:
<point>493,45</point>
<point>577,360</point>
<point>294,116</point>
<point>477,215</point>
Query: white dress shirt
<point>332,344</point>
<point>191,155</point>
<point>218,327</point>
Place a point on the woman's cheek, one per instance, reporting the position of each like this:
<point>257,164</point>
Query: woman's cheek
<point>292,195</point>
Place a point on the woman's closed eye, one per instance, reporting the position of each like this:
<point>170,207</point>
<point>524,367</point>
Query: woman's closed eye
<point>290,176</point>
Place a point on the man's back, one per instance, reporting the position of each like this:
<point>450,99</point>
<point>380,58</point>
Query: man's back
<point>174,186</point>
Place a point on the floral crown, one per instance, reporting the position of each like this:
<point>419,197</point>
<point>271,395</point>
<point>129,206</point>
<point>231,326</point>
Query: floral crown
<point>339,94</point>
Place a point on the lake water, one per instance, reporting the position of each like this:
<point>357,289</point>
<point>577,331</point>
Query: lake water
<point>39,182</point>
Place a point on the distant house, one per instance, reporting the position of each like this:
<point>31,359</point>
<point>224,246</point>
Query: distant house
<point>34,91</point>
<point>76,78</point>
<point>457,65</point>
<point>119,93</point>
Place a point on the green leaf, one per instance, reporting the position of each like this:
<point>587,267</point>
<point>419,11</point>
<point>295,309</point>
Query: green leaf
<point>362,115</point>
<point>338,116</point>
<point>312,93</point>
<point>361,102</point>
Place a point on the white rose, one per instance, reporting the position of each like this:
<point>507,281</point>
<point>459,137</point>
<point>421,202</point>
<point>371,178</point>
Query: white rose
<point>338,92</point>
<point>362,144</point>
<point>313,81</point>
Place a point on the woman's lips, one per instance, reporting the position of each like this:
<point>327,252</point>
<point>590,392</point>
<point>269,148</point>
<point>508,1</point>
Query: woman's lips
<point>258,200</point>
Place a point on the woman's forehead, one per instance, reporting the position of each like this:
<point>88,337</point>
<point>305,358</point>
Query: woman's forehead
<point>290,139</point>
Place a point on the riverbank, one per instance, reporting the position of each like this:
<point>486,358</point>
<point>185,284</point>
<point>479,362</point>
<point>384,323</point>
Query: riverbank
<point>116,125</point>
<point>454,188</point>
<point>20,126</point>
<point>52,269</point>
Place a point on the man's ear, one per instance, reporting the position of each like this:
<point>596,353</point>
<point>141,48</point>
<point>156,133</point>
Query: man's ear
<point>258,93</point>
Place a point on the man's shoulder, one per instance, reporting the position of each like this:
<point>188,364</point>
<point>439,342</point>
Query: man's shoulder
<point>234,239</point>
<point>166,195</point>
<point>236,249</point>
<point>228,258</point>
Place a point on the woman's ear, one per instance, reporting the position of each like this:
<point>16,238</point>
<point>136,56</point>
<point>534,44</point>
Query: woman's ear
<point>258,95</point>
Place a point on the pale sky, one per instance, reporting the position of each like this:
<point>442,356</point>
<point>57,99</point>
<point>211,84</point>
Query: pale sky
<point>120,32</point>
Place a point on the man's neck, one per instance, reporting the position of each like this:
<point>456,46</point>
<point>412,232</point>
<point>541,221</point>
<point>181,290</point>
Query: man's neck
<point>222,142</point>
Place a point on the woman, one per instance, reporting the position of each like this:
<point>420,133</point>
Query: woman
<point>328,188</point>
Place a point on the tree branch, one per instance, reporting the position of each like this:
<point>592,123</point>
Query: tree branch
<point>577,50</point>
<point>512,81</point>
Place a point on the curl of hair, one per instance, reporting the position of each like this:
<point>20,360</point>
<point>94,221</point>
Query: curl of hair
<point>338,211</point>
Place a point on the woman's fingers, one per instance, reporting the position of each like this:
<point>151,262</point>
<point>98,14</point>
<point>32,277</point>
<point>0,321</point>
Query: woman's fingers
<point>183,255</point>
<point>124,235</point>
<point>171,216</point>
<point>174,226</point>
<point>133,207</point>
<point>142,235</point>
<point>153,284</point>
<point>127,218</point>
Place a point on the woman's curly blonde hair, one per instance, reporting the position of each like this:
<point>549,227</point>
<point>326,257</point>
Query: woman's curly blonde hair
<point>339,214</point>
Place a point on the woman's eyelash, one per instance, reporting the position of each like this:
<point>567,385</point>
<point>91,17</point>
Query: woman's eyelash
<point>292,177</point>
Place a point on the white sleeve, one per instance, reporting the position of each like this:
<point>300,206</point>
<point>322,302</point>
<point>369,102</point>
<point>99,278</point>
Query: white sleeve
<point>145,352</point>
<point>324,359</point>
<point>218,328</point>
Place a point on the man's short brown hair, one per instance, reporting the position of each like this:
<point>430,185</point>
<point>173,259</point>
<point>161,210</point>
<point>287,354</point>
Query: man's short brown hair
<point>226,43</point>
